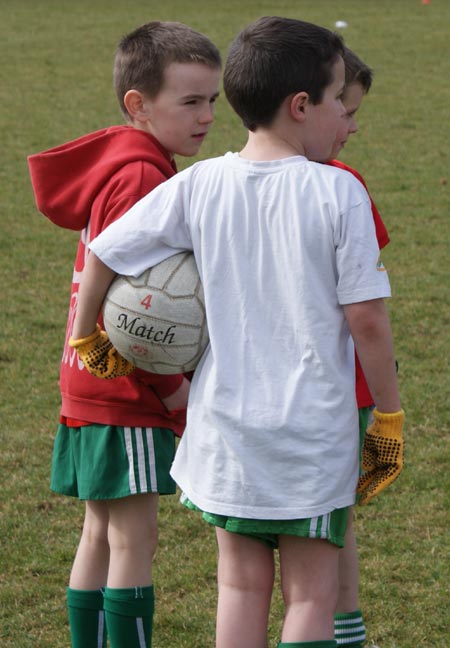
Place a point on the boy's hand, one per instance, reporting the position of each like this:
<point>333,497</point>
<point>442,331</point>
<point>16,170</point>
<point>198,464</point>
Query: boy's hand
<point>99,356</point>
<point>177,401</point>
<point>382,454</point>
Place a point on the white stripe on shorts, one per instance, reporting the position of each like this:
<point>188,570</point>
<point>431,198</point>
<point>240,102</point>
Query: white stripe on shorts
<point>129,448</point>
<point>135,437</point>
<point>313,527</point>
<point>152,460</point>
<point>142,475</point>
<point>324,529</point>
<point>326,526</point>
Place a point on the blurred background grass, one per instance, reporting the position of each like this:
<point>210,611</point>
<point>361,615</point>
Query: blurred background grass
<point>55,84</point>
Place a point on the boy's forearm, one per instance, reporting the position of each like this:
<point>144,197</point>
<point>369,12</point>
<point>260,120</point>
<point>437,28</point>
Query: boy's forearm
<point>95,281</point>
<point>371,331</point>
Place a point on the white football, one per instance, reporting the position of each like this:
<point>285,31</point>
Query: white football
<point>158,320</point>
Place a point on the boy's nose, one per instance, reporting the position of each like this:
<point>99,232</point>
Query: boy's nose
<point>353,127</point>
<point>207,114</point>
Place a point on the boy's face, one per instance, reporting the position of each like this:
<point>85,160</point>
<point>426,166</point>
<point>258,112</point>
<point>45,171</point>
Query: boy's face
<point>324,119</point>
<point>183,110</point>
<point>353,96</point>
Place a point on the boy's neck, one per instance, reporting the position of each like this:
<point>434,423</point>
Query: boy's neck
<point>145,128</point>
<point>265,145</point>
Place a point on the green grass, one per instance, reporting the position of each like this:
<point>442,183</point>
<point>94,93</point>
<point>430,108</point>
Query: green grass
<point>55,84</point>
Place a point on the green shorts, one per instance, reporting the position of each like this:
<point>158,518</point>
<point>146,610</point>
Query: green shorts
<point>330,526</point>
<point>100,462</point>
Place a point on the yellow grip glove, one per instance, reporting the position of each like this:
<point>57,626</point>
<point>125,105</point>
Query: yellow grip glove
<point>382,454</point>
<point>99,356</point>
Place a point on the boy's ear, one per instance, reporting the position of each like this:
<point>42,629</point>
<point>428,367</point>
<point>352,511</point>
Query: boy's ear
<point>135,104</point>
<point>297,106</point>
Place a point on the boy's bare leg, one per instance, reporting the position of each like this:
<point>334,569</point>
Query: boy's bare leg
<point>88,578</point>
<point>117,544</point>
<point>133,536</point>
<point>309,582</point>
<point>348,599</point>
<point>90,567</point>
<point>245,582</point>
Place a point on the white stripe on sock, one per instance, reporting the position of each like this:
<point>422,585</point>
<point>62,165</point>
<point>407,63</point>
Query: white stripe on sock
<point>342,640</point>
<point>354,621</point>
<point>101,626</point>
<point>140,632</point>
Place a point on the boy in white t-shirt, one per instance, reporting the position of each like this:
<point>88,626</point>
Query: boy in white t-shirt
<point>289,261</point>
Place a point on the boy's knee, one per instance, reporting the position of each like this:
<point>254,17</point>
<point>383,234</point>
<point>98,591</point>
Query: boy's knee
<point>245,574</point>
<point>246,580</point>
<point>94,533</point>
<point>144,542</point>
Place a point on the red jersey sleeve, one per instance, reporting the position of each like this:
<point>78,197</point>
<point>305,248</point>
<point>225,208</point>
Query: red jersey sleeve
<point>380,228</point>
<point>363,395</point>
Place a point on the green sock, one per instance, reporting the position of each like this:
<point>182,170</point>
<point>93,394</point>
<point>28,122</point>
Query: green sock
<point>129,616</point>
<point>349,629</point>
<point>86,618</point>
<point>309,644</point>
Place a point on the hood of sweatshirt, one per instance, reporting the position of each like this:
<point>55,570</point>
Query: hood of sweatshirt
<point>66,179</point>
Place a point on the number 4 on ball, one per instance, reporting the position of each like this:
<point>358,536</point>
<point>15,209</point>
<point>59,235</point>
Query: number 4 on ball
<point>147,301</point>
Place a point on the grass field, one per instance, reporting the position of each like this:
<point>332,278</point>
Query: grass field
<point>55,84</point>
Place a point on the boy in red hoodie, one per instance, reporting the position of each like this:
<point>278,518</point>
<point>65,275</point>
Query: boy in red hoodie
<point>115,442</point>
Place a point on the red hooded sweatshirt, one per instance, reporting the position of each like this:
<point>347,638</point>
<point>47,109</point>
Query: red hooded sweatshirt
<point>85,185</point>
<point>363,395</point>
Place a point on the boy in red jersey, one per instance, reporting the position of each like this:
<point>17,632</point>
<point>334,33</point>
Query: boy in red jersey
<point>349,625</point>
<point>115,442</point>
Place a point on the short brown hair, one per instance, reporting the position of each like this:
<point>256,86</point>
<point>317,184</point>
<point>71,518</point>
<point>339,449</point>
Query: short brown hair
<point>356,71</point>
<point>143,56</point>
<point>273,58</point>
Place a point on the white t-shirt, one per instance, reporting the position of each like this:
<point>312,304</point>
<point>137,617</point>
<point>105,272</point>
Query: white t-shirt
<point>272,425</point>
